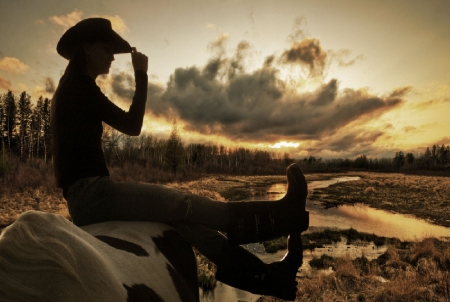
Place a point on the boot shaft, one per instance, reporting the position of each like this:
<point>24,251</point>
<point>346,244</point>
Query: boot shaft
<point>258,221</point>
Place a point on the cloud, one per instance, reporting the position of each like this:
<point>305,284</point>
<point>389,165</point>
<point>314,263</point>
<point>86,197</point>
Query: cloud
<point>400,91</point>
<point>123,85</point>
<point>48,89</point>
<point>68,20</point>
<point>256,106</point>
<point>307,52</point>
<point>430,103</point>
<point>341,57</point>
<point>350,142</point>
<point>5,84</point>
<point>355,140</point>
<point>213,27</point>
<point>49,85</point>
<point>298,31</point>
<point>117,23</point>
<point>218,45</point>
<point>155,101</point>
<point>443,141</point>
<point>410,129</point>
<point>13,65</point>
<point>224,99</point>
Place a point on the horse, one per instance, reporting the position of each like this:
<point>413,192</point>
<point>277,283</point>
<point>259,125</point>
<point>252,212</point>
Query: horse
<point>45,257</point>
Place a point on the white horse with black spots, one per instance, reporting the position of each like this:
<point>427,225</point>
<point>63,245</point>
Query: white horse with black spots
<point>45,257</point>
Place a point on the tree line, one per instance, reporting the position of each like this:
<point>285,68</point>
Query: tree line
<point>24,126</point>
<point>173,155</point>
<point>435,158</point>
<point>25,132</point>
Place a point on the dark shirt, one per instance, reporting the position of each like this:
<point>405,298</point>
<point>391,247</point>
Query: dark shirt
<point>78,110</point>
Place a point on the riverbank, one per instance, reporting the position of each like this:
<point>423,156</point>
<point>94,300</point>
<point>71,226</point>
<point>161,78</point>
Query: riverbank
<point>425,197</point>
<point>409,272</point>
<point>355,270</point>
<point>405,271</point>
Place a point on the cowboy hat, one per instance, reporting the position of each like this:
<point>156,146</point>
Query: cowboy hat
<point>90,30</point>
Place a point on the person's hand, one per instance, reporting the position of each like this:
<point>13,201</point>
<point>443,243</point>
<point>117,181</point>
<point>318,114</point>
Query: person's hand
<point>139,60</point>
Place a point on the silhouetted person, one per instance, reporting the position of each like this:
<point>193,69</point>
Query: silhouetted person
<point>78,110</point>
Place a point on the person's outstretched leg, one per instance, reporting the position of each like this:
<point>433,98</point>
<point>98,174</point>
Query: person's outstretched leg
<point>104,199</point>
<point>257,221</point>
<point>240,268</point>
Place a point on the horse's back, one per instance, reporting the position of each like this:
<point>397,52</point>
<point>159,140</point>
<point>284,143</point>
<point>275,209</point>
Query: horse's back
<point>44,257</point>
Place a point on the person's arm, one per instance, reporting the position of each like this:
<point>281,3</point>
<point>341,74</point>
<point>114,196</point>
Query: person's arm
<point>130,122</point>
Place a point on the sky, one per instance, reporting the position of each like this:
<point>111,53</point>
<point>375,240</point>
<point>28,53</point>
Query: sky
<point>329,79</point>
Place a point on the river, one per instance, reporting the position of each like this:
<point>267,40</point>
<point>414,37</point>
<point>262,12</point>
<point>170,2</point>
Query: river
<point>359,216</point>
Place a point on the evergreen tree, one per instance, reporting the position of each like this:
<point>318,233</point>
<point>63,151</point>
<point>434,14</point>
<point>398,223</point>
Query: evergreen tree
<point>399,159</point>
<point>36,128</point>
<point>2,119</point>
<point>24,112</point>
<point>46,135</point>
<point>9,122</point>
<point>427,158</point>
<point>410,158</point>
<point>174,153</point>
<point>287,159</point>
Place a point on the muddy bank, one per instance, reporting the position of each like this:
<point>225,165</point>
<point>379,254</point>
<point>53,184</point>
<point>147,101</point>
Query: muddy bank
<point>425,197</point>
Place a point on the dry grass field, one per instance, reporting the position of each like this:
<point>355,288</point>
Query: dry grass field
<point>417,271</point>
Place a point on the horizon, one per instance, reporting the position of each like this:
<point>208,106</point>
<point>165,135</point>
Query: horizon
<point>323,79</point>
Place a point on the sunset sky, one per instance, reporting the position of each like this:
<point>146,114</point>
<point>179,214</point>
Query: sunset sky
<point>330,79</point>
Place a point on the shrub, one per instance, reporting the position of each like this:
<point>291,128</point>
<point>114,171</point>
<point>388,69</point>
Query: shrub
<point>370,191</point>
<point>324,262</point>
<point>272,246</point>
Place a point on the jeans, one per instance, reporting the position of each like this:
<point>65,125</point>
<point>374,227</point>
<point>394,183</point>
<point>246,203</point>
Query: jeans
<point>199,219</point>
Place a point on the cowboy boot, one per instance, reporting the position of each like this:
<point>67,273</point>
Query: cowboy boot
<point>257,221</point>
<point>277,279</point>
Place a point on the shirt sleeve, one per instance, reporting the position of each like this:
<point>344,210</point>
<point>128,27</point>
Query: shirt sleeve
<point>130,122</point>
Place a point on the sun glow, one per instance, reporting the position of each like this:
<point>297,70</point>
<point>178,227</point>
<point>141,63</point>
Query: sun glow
<point>284,144</point>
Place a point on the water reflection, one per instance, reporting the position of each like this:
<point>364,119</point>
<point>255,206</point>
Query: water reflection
<point>361,217</point>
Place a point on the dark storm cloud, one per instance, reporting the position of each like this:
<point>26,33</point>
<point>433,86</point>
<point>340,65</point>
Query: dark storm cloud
<point>237,62</point>
<point>357,139</point>
<point>154,100</point>
<point>307,52</point>
<point>223,98</point>
<point>256,106</point>
<point>123,85</point>
<point>49,85</point>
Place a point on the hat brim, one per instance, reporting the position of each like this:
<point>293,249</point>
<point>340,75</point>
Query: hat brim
<point>91,30</point>
<point>120,45</point>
